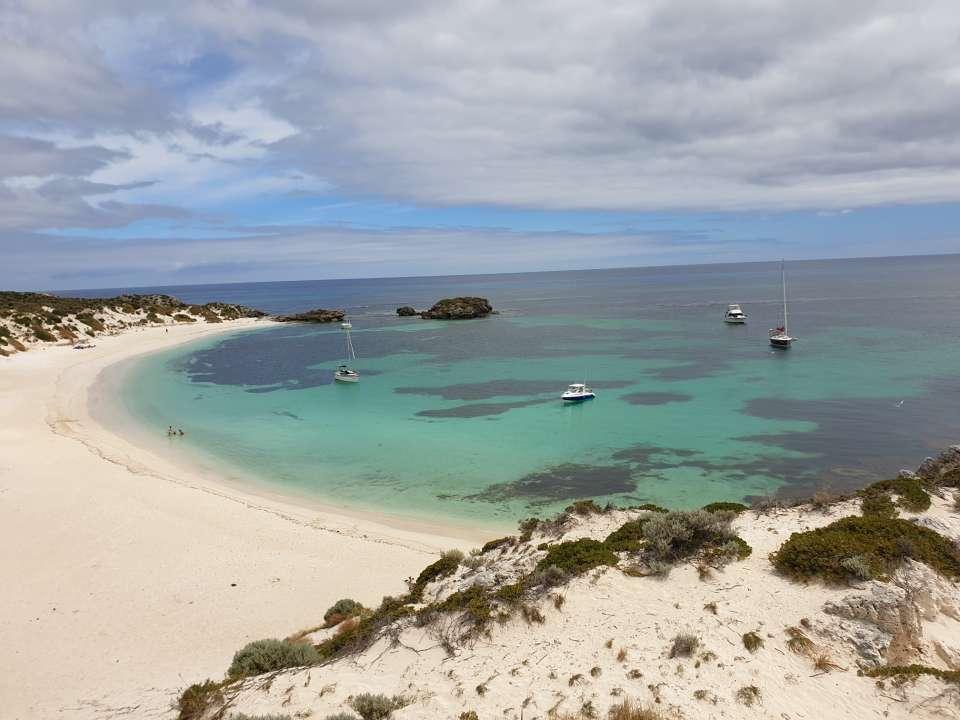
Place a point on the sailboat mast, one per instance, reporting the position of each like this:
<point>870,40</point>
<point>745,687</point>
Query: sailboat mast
<point>351,355</point>
<point>783,281</point>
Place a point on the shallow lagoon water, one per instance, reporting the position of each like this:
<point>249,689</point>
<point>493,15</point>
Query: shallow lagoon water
<point>461,420</point>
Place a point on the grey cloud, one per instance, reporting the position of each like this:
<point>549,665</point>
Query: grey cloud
<point>21,156</point>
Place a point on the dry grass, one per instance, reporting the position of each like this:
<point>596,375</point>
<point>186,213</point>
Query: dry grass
<point>748,695</point>
<point>798,642</point>
<point>752,641</point>
<point>823,663</point>
<point>711,607</point>
<point>684,645</point>
<point>558,601</point>
<point>622,655</point>
<point>629,710</point>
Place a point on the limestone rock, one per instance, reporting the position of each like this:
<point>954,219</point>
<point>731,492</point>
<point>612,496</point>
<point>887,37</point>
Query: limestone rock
<point>458,308</point>
<point>319,315</point>
<point>406,311</point>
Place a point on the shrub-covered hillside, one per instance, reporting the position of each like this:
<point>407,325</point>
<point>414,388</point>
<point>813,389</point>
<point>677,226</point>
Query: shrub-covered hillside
<point>28,319</point>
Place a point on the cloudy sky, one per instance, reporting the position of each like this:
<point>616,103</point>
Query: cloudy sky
<point>238,140</point>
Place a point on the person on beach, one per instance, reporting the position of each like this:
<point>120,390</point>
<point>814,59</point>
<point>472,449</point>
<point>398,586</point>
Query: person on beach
<point>181,432</point>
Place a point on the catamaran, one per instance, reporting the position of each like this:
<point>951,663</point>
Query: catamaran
<point>344,372</point>
<point>780,336</point>
<point>734,315</point>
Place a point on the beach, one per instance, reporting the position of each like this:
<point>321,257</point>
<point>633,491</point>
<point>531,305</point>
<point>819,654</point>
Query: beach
<point>127,577</point>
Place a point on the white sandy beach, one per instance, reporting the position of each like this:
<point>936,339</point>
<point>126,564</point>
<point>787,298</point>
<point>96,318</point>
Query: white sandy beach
<point>126,577</point>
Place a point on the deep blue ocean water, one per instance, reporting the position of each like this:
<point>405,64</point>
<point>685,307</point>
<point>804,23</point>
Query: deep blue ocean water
<point>462,421</point>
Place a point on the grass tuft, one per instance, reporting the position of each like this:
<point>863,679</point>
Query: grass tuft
<point>684,645</point>
<point>752,641</point>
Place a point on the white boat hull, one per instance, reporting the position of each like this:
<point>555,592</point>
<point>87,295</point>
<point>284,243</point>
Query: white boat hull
<point>735,320</point>
<point>345,378</point>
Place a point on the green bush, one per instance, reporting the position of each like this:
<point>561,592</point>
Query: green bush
<point>474,604</point>
<point>881,543</point>
<point>444,567</point>
<point>197,698</point>
<point>676,535</point>
<point>651,507</point>
<point>628,537</point>
<point>577,556</point>
<point>262,656</point>
<point>376,707</point>
<point>914,671</point>
<point>184,318</point>
<point>341,610</point>
<point>878,505</point>
<point>44,335</point>
<point>583,508</point>
<point>912,495</point>
<point>498,543</point>
<point>725,506</point>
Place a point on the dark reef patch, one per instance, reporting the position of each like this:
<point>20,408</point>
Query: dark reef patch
<point>569,481</point>
<point>655,398</point>
<point>288,414</point>
<point>478,409</point>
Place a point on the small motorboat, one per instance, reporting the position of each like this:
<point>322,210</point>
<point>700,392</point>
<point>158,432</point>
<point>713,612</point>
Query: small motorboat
<point>734,315</point>
<point>578,392</point>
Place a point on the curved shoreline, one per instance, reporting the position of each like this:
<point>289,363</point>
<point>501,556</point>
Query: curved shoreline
<point>110,549</point>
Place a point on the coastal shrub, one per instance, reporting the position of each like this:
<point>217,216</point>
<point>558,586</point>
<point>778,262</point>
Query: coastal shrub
<point>44,335</point>
<point>583,508</point>
<point>262,656</point>
<point>913,672</point>
<point>497,543</point>
<point>878,505</point>
<point>677,535</point>
<point>882,543</point>
<point>752,641</point>
<point>725,506</point>
<point>684,645</point>
<point>376,707</point>
<point>91,322</point>
<point>910,490</point>
<point>527,528</point>
<point>196,699</point>
<point>628,537</point>
<point>577,556</point>
<point>512,593</point>
<point>444,567</point>
<point>550,576</point>
<point>340,611</point>
<point>184,318</point>
<point>360,633</point>
<point>650,507</point>
<point>858,567</point>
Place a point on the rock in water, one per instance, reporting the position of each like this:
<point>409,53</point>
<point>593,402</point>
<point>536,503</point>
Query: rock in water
<point>406,311</point>
<point>319,315</point>
<point>458,308</point>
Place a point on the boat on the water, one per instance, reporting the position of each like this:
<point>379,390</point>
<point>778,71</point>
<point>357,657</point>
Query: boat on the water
<point>577,392</point>
<point>734,315</point>
<point>780,336</point>
<point>345,372</point>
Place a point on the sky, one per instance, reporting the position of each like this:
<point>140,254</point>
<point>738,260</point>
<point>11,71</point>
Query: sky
<point>176,143</point>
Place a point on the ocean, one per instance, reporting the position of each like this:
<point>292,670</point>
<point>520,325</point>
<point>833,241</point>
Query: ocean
<point>462,422</point>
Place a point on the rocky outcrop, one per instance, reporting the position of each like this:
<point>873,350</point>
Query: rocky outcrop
<point>944,469</point>
<point>458,308</point>
<point>885,621</point>
<point>406,311</point>
<point>319,315</point>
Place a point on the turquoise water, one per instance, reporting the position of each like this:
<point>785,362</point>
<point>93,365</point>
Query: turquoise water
<point>462,421</point>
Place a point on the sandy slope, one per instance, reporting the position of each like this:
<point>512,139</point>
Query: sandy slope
<point>571,667</point>
<point>126,577</point>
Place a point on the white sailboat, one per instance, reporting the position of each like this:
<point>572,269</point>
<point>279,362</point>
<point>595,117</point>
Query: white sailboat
<point>780,336</point>
<point>346,373</point>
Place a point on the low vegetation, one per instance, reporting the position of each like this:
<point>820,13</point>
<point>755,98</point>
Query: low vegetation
<point>262,656</point>
<point>913,672</point>
<point>748,695</point>
<point>734,507</point>
<point>376,707</point>
<point>577,556</point>
<point>912,497</point>
<point>752,641</point>
<point>683,645</point>
<point>341,610</point>
<point>196,699</point>
<point>879,544</point>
